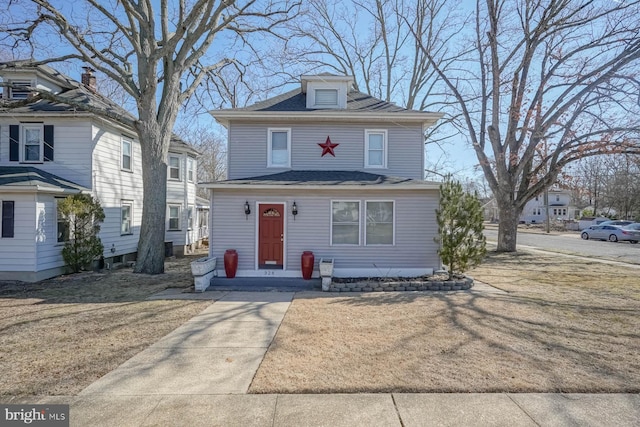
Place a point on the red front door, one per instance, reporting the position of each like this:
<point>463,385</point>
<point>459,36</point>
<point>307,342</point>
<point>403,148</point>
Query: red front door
<point>270,236</point>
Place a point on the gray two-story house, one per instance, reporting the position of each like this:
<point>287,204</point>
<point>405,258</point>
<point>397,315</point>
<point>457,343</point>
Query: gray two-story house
<point>327,169</point>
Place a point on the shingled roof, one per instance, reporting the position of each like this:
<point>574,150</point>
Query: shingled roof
<point>295,100</point>
<point>324,178</point>
<point>37,179</point>
<point>293,105</point>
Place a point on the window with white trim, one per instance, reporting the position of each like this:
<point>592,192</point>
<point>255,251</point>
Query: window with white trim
<point>32,143</point>
<point>174,168</point>
<point>345,222</point>
<point>326,97</point>
<point>375,148</point>
<point>174,217</point>
<point>126,163</point>
<point>63,230</point>
<point>190,169</point>
<point>379,223</point>
<point>279,148</point>
<point>126,215</point>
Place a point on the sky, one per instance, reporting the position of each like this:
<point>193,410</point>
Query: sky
<point>459,157</point>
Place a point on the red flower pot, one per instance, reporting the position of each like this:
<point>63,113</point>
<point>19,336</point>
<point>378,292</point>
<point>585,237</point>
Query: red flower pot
<point>230,263</point>
<point>307,264</point>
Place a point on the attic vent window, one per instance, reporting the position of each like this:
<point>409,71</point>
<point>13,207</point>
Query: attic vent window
<point>326,97</point>
<point>20,91</point>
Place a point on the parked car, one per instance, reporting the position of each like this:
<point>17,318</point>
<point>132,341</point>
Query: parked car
<point>634,226</point>
<point>612,233</point>
<point>618,222</point>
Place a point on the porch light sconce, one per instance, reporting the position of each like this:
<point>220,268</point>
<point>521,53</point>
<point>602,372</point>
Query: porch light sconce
<point>294,210</point>
<point>247,209</point>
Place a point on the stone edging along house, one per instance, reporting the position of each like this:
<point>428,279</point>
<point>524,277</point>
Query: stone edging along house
<point>327,169</point>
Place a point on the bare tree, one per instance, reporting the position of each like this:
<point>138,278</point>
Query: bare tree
<point>562,74</point>
<point>372,41</point>
<point>621,186</point>
<point>588,179</point>
<point>157,52</point>
<point>212,164</point>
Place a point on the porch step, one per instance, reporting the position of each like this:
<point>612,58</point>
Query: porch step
<point>264,284</point>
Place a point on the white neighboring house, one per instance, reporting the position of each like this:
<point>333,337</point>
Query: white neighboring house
<point>51,150</point>
<point>535,211</point>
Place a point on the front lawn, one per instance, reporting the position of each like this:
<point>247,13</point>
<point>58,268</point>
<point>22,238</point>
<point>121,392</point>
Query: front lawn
<point>563,325</point>
<point>60,335</point>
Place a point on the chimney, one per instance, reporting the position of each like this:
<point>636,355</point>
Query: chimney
<point>88,79</point>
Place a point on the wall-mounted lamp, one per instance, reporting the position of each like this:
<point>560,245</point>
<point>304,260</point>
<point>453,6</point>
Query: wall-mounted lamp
<point>113,248</point>
<point>294,210</point>
<point>247,209</point>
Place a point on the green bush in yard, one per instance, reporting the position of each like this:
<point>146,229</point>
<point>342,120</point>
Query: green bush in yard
<point>462,244</point>
<point>82,215</point>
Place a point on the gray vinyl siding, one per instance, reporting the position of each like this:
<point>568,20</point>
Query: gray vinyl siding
<point>247,149</point>
<point>415,228</point>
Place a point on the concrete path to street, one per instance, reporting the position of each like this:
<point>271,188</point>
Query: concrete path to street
<point>199,375</point>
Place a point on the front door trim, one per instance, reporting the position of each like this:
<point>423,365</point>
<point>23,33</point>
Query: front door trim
<point>270,272</point>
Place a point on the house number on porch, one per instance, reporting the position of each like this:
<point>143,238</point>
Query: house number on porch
<point>269,273</point>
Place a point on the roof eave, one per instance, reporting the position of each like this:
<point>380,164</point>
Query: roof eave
<point>367,187</point>
<point>225,116</point>
<point>40,189</point>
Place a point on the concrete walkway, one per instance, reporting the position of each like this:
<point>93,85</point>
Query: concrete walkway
<point>216,352</point>
<point>199,374</point>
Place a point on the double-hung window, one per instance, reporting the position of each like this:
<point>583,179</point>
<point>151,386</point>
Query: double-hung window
<point>345,223</point>
<point>126,163</point>
<point>279,148</point>
<point>190,169</point>
<point>174,217</point>
<point>379,223</point>
<point>32,143</point>
<point>375,148</point>
<point>126,211</point>
<point>174,168</point>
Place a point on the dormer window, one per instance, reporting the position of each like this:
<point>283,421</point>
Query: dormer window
<point>19,89</point>
<point>327,97</point>
<point>326,91</point>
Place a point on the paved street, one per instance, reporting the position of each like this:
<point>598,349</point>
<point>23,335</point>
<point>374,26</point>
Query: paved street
<point>572,243</point>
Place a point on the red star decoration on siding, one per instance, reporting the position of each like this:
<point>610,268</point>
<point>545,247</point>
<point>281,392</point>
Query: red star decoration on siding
<point>327,147</point>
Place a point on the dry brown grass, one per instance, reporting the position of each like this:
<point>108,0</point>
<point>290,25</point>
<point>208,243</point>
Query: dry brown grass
<point>60,335</point>
<point>564,325</point>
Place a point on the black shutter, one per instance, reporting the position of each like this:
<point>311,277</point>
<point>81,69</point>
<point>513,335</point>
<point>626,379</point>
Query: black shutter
<point>48,143</point>
<point>7,218</point>
<point>14,143</point>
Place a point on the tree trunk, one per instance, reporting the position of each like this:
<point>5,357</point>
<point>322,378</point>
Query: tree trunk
<point>154,173</point>
<point>508,227</point>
